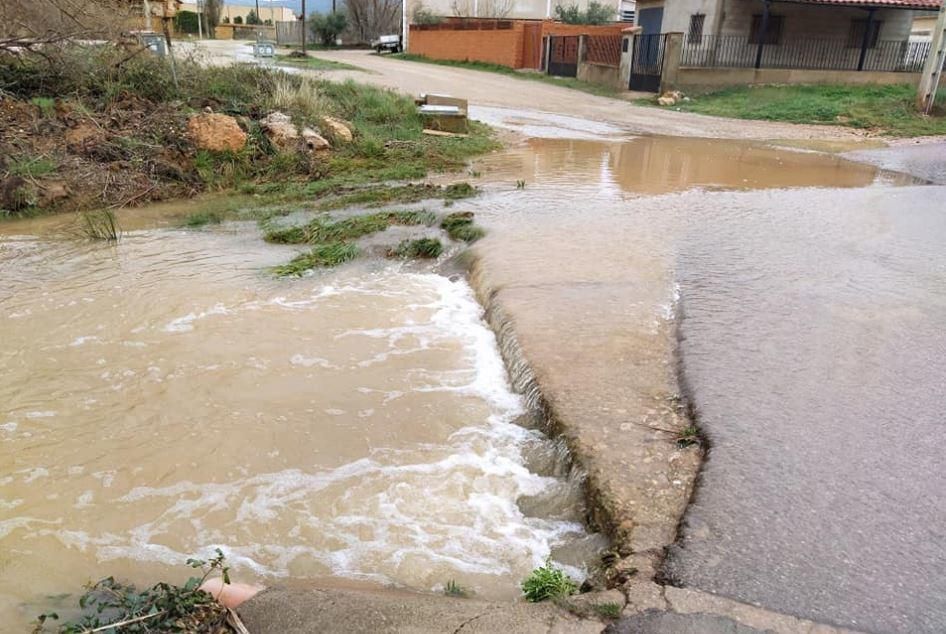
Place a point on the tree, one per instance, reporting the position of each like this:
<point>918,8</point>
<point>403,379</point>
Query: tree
<point>423,15</point>
<point>238,19</point>
<point>327,27</point>
<point>596,13</point>
<point>212,14</point>
<point>253,18</point>
<point>185,22</point>
<point>367,19</point>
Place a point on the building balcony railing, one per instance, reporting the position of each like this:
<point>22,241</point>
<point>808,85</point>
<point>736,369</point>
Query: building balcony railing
<point>738,51</point>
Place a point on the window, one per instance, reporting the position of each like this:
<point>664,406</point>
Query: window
<point>695,35</point>
<point>773,32</point>
<point>855,36</point>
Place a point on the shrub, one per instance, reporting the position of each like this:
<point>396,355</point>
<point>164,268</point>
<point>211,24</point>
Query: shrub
<point>186,22</point>
<point>252,18</point>
<point>596,13</point>
<point>423,15</point>
<point>548,582</point>
<point>238,19</point>
<point>328,26</point>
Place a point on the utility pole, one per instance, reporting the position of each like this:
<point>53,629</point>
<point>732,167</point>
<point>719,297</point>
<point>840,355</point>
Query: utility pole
<point>933,68</point>
<point>200,15</point>
<point>303,27</point>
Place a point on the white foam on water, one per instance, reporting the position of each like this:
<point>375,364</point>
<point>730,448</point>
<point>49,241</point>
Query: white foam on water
<point>387,515</point>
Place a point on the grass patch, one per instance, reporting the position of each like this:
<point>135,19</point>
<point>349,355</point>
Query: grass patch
<point>34,167</point>
<point>454,589</point>
<point>548,582</point>
<point>324,255</point>
<point>99,225</point>
<point>607,610</point>
<point>201,218</point>
<point>886,109</point>
<point>456,191</point>
<point>424,248</point>
<point>314,63</point>
<point>566,82</point>
<point>459,226</point>
<point>46,105</point>
<point>324,230</point>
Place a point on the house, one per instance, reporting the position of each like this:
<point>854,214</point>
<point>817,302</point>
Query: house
<point>845,35</point>
<point>229,12</point>
<point>512,9</point>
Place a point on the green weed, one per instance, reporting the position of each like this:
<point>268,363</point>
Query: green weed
<point>324,255</point>
<point>323,230</point>
<point>688,436</point>
<point>201,218</point>
<point>34,167</point>
<point>548,582</point>
<point>46,105</point>
<point>426,248</point>
<point>456,191</point>
<point>112,606</point>
<point>99,225</point>
<point>607,610</point>
<point>314,63</point>
<point>453,589</point>
<point>459,226</point>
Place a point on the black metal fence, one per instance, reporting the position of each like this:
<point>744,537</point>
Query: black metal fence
<point>736,51</point>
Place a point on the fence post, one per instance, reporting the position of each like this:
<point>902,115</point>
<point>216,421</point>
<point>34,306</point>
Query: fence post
<point>627,52</point>
<point>763,32</point>
<point>582,49</point>
<point>673,49</point>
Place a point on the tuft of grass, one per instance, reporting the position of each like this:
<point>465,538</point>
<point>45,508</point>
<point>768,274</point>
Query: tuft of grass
<point>34,167</point>
<point>301,99</point>
<point>456,191</point>
<point>322,230</point>
<point>426,248</point>
<point>548,582</point>
<point>607,610</point>
<point>688,436</point>
<point>201,218</point>
<point>459,226</point>
<point>888,109</point>
<point>385,195</point>
<point>324,255</point>
<point>100,225</point>
<point>46,105</point>
<point>454,589</point>
<point>565,82</point>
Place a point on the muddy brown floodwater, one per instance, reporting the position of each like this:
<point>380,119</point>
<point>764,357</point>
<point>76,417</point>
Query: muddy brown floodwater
<point>167,395</point>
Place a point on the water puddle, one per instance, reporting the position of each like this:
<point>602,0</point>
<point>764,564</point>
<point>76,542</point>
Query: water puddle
<point>657,165</point>
<point>167,395</point>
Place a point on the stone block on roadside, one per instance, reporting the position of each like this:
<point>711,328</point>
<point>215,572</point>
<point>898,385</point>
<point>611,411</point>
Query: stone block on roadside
<point>216,132</point>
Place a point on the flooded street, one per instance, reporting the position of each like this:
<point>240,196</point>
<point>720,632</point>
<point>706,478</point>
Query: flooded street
<point>167,395</point>
<point>809,302</point>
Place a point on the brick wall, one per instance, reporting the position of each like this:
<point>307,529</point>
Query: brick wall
<point>503,46</point>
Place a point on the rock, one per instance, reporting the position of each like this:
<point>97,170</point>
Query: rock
<point>670,98</point>
<point>314,142</point>
<point>280,130</point>
<point>337,130</point>
<point>216,132</point>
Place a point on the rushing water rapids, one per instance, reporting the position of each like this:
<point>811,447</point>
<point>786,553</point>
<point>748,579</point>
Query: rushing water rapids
<point>167,395</point>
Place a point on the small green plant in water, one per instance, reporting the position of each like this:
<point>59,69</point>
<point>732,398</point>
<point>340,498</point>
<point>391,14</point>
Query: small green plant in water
<point>426,248</point>
<point>607,610</point>
<point>520,184</point>
<point>548,582</point>
<point>326,230</point>
<point>100,225</point>
<point>112,606</point>
<point>689,436</point>
<point>324,255</point>
<point>454,589</point>
<point>201,218</point>
<point>457,191</point>
<point>459,226</point>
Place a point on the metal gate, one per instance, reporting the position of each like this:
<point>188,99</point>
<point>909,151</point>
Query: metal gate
<point>647,62</point>
<point>563,56</point>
